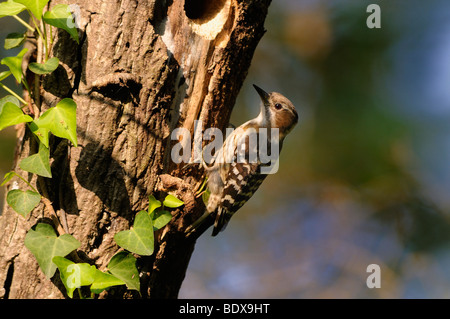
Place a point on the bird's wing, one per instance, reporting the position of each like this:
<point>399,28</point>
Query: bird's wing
<point>242,181</point>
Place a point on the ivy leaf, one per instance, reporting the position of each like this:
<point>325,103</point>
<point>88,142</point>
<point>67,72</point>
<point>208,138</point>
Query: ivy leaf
<point>9,98</point>
<point>44,68</point>
<point>61,17</point>
<point>8,176</point>
<point>172,202</point>
<point>139,239</point>
<point>40,132</point>
<point>10,8</point>
<point>104,280</point>
<point>38,163</point>
<point>13,40</point>
<point>11,114</point>
<point>153,204</point>
<point>123,266</point>
<point>35,6</point>
<point>23,202</point>
<point>161,219</point>
<point>14,63</point>
<point>4,75</point>
<point>45,244</point>
<point>74,275</point>
<point>61,120</point>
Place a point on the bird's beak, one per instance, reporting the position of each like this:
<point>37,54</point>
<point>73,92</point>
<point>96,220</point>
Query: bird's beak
<point>263,94</point>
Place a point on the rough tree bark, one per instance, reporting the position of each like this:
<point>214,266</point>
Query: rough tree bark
<point>142,69</point>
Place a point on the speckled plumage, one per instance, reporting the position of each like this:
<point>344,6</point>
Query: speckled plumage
<point>232,183</point>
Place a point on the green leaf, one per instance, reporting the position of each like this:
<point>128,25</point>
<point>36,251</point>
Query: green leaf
<point>8,177</point>
<point>14,63</point>
<point>40,132</point>
<point>74,275</point>
<point>104,280</point>
<point>123,266</point>
<point>44,68</point>
<point>45,244</point>
<point>9,98</point>
<point>13,40</point>
<point>61,120</point>
<point>10,8</point>
<point>172,202</point>
<point>161,219</point>
<point>61,17</point>
<point>38,163</point>
<point>23,202</point>
<point>4,75</point>
<point>11,114</point>
<point>139,239</point>
<point>35,6</point>
<point>205,197</point>
<point>153,204</point>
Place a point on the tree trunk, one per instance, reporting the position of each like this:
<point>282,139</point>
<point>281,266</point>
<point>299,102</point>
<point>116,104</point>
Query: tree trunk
<point>142,69</point>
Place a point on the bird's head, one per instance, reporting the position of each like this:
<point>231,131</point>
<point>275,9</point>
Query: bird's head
<point>277,112</point>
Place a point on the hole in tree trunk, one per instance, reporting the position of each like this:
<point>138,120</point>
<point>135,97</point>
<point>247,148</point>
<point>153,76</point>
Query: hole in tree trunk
<point>204,10</point>
<point>208,18</point>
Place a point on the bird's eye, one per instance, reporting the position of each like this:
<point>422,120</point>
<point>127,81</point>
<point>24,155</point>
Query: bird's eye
<point>278,106</point>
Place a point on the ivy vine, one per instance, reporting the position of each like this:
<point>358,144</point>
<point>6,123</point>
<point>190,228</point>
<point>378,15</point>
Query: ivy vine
<point>48,247</point>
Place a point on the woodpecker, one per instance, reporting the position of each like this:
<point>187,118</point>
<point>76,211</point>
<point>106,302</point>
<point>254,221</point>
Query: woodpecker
<point>233,179</point>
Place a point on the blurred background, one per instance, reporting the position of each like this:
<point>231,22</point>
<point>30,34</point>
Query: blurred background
<point>8,136</point>
<point>364,178</point>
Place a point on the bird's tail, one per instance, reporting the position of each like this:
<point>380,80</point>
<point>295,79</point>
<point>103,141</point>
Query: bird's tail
<point>221,222</point>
